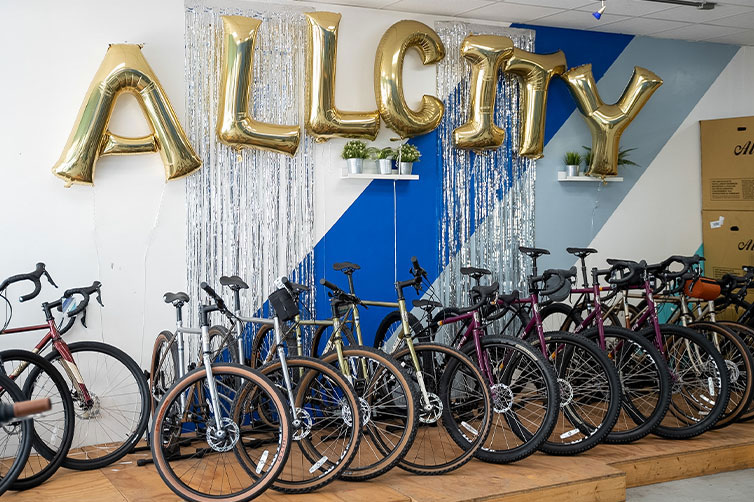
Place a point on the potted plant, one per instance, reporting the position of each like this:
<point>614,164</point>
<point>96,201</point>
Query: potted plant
<point>370,163</point>
<point>406,156</point>
<point>573,163</point>
<point>355,151</point>
<point>385,160</point>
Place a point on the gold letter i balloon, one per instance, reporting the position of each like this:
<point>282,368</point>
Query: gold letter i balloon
<point>323,119</point>
<point>486,53</point>
<point>234,125</point>
<point>388,78</point>
<point>124,69</point>
<point>607,122</point>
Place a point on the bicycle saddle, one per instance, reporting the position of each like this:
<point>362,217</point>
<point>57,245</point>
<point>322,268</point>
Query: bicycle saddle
<point>420,304</point>
<point>233,282</point>
<point>581,252</point>
<point>177,299</point>
<point>476,273</point>
<point>533,252</point>
<point>347,267</point>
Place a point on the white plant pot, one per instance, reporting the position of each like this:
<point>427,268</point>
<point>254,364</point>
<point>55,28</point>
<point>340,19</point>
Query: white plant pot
<point>370,166</point>
<point>386,166</point>
<point>355,166</point>
<point>406,167</point>
<point>573,170</point>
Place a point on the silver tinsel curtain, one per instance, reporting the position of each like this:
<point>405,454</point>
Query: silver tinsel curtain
<point>487,199</point>
<point>249,212</point>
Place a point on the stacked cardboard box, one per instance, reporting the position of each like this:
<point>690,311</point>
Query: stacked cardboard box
<point>727,194</point>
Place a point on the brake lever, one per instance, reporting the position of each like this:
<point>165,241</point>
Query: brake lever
<point>49,279</point>
<point>83,318</point>
<point>99,296</point>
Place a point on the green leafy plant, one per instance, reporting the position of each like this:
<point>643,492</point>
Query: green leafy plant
<point>572,159</point>
<point>408,153</point>
<point>355,149</point>
<point>623,159</point>
<point>373,153</point>
<point>386,153</point>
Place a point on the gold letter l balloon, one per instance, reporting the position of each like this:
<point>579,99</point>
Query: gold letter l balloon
<point>234,125</point>
<point>388,78</point>
<point>124,69</point>
<point>607,122</point>
<point>323,119</point>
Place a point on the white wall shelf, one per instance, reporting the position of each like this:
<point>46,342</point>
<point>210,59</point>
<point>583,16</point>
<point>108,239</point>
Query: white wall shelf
<point>562,176</point>
<point>374,176</point>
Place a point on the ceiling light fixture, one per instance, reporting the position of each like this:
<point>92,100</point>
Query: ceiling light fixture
<point>598,13</point>
<point>701,5</point>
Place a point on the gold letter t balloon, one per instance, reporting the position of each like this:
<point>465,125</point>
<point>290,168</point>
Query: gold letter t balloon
<point>124,69</point>
<point>607,122</point>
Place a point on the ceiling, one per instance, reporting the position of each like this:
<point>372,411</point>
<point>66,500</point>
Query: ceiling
<point>730,22</point>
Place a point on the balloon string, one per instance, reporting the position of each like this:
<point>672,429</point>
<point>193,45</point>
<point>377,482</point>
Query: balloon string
<point>395,232</point>
<point>99,265</point>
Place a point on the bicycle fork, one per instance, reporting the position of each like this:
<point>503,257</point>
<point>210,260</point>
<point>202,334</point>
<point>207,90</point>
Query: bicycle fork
<point>284,368</point>
<point>406,336</point>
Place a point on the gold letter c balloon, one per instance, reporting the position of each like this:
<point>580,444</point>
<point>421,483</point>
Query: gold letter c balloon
<point>388,78</point>
<point>124,69</point>
<point>607,122</point>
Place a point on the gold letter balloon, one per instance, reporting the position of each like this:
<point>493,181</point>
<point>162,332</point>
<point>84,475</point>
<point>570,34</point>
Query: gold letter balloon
<point>323,119</point>
<point>124,69</point>
<point>607,122</point>
<point>535,72</point>
<point>388,78</point>
<point>234,125</point>
<point>487,54</point>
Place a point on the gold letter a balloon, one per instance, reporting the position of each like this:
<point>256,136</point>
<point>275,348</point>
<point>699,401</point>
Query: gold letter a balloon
<point>607,122</point>
<point>124,69</point>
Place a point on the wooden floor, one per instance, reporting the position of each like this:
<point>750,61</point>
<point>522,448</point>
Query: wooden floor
<point>602,474</point>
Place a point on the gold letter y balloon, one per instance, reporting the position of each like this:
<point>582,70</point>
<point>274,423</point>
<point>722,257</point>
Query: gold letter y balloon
<point>323,119</point>
<point>607,122</point>
<point>388,78</point>
<point>234,125</point>
<point>124,69</point>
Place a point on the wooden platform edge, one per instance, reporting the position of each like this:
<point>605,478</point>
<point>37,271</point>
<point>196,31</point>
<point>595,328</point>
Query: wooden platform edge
<point>606,488</point>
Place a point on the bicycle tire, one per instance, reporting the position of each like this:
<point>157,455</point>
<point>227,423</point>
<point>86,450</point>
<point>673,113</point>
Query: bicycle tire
<point>320,336</point>
<point>709,366</point>
<point>163,367</point>
<point>571,318</point>
<point>512,437</point>
<point>461,384</point>
<point>747,335</point>
<point>327,464</point>
<point>581,366</point>
<point>645,382</point>
<point>223,345</point>
<point>739,363</point>
<point>255,481</point>
<point>21,428</point>
<point>49,452</point>
<point>393,400</point>
<point>141,409</point>
<point>390,326</point>
<point>264,340</point>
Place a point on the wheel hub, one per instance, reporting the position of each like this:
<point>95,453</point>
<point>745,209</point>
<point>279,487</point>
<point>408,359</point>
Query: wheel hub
<point>89,412</point>
<point>225,438</point>
<point>303,423</point>
<point>566,392</point>
<point>431,414</point>
<point>502,398</point>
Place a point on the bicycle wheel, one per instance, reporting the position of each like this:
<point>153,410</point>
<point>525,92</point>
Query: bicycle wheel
<point>738,361</point>
<point>525,398</point>
<point>115,421</point>
<point>163,367</point>
<point>389,329</point>
<point>263,345</point>
<point>326,430</point>
<point>747,335</point>
<point>644,378</point>
<point>223,345</point>
<point>455,423</point>
<point>207,467</point>
<point>53,431</point>
<point>384,389</point>
<point>322,337</point>
<point>15,437</point>
<point>590,394</point>
<point>559,317</point>
<point>699,379</point>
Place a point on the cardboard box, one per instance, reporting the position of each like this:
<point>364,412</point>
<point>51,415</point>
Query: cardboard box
<point>728,163</point>
<point>728,241</point>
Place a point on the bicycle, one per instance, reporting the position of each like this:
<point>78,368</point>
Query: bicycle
<point>199,408</point>
<point>101,378</point>
<point>387,399</point>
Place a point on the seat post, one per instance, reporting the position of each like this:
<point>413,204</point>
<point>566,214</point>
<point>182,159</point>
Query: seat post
<point>349,273</point>
<point>583,270</point>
